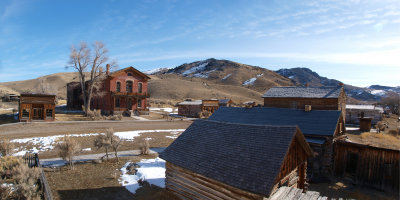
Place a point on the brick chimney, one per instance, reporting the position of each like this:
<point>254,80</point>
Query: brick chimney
<point>341,84</point>
<point>100,70</point>
<point>107,69</point>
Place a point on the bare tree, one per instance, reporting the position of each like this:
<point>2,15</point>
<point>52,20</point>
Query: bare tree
<point>108,140</point>
<point>67,149</point>
<point>87,63</point>
<point>392,100</point>
<point>144,147</point>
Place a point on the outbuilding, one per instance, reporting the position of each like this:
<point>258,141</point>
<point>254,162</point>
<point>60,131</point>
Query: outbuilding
<point>219,160</point>
<point>39,107</point>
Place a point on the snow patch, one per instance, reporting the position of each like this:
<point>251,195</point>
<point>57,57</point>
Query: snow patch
<point>203,74</point>
<point>87,149</point>
<point>151,170</point>
<point>130,135</point>
<point>252,80</point>
<point>227,76</point>
<point>200,67</point>
<point>378,92</point>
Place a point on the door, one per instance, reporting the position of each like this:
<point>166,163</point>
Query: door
<point>129,104</point>
<point>37,114</point>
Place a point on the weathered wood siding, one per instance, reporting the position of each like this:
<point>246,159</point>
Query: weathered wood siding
<point>376,167</point>
<point>353,115</point>
<point>189,110</point>
<point>299,103</point>
<point>188,185</point>
<point>44,103</point>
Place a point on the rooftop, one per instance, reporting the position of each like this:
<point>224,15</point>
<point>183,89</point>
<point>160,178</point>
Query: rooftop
<point>304,92</point>
<point>313,123</point>
<point>222,150</point>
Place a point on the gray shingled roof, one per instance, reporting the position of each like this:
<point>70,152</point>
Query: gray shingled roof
<point>304,92</point>
<point>313,123</point>
<point>244,156</point>
<point>224,101</point>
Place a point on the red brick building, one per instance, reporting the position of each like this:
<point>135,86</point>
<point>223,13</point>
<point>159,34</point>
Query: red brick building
<point>122,91</point>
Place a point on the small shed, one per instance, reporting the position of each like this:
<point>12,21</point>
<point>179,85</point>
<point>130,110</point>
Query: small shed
<point>37,107</point>
<point>368,165</point>
<point>210,105</point>
<point>354,112</point>
<point>216,160</point>
<point>190,108</point>
<point>225,102</point>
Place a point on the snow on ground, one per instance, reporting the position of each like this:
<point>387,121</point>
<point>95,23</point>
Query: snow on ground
<point>195,69</point>
<point>227,76</point>
<point>378,92</point>
<point>49,142</point>
<point>203,74</point>
<point>87,149</point>
<point>130,135</point>
<point>6,109</point>
<point>43,143</point>
<point>252,80</point>
<point>151,170</point>
<point>162,109</point>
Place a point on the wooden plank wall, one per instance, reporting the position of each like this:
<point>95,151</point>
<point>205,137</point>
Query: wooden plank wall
<point>376,167</point>
<point>316,103</point>
<point>188,185</point>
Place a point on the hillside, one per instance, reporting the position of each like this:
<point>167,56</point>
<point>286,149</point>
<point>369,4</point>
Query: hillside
<point>302,76</point>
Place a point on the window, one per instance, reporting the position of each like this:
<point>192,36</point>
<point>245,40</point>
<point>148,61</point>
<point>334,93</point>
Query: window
<point>129,86</point>
<point>49,113</point>
<point>140,88</point>
<point>130,74</point>
<point>25,113</point>
<point>118,87</point>
<point>139,103</point>
<point>117,104</point>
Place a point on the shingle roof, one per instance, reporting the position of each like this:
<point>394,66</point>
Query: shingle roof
<point>313,123</point>
<point>304,92</point>
<point>195,102</point>
<point>244,156</point>
<point>224,101</point>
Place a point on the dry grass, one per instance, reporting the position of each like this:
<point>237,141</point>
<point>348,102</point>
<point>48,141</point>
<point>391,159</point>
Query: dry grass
<point>380,140</point>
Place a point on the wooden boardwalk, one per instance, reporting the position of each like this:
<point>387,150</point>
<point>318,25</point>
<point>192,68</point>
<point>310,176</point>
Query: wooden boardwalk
<point>289,193</point>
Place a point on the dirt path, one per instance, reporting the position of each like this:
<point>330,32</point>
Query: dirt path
<point>20,130</point>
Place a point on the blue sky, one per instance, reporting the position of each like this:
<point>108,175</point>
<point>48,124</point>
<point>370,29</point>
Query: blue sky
<point>357,42</point>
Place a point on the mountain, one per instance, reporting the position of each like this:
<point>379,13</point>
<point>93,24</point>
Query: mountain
<point>225,72</point>
<point>303,76</point>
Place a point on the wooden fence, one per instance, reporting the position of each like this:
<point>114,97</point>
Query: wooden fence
<point>32,160</point>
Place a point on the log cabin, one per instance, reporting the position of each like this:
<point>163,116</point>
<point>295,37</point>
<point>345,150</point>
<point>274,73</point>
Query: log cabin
<point>319,98</point>
<point>122,91</point>
<point>320,127</point>
<point>189,108</point>
<point>37,107</point>
<point>218,160</point>
<point>368,165</point>
<point>225,102</point>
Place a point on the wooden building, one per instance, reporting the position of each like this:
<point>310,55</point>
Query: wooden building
<point>319,98</point>
<point>320,127</point>
<point>354,113</point>
<point>190,108</point>
<point>368,165</point>
<point>37,107</point>
<point>217,160</point>
<point>210,105</point>
<point>123,91</point>
<point>225,102</point>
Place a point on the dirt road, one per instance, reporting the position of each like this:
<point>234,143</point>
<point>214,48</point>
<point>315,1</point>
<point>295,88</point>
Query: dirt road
<point>20,130</point>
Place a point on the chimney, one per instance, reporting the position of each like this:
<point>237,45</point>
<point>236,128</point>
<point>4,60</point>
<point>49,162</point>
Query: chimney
<point>100,70</point>
<point>341,84</point>
<point>307,85</point>
<point>107,69</point>
<point>307,108</point>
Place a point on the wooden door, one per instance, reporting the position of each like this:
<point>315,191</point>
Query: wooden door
<point>37,113</point>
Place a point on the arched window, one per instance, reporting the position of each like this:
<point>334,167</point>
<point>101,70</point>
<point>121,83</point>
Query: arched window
<point>129,86</point>
<point>140,88</point>
<point>118,86</point>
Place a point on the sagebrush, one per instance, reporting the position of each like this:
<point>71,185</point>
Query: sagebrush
<point>67,149</point>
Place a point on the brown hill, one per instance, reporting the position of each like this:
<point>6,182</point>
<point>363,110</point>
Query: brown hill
<point>198,80</point>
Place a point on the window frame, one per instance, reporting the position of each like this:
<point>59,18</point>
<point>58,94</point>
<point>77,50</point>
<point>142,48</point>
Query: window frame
<point>129,90</point>
<point>118,86</point>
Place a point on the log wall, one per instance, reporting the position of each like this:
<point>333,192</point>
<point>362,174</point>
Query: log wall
<point>189,110</point>
<point>188,185</point>
<point>376,167</point>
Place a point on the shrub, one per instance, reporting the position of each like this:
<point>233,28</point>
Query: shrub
<point>205,114</point>
<point>394,132</point>
<point>6,147</point>
<point>5,192</point>
<point>26,180</point>
<point>108,140</point>
<point>145,147</point>
<point>8,163</point>
<point>94,114</point>
<point>67,149</point>
<point>380,126</point>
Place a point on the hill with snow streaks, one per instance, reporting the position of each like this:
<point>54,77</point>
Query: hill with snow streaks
<point>303,76</point>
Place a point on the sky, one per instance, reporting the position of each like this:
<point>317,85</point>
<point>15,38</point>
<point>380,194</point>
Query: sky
<point>354,41</point>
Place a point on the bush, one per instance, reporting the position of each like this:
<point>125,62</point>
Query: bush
<point>26,179</point>
<point>115,117</point>
<point>95,114</point>
<point>67,149</point>
<point>205,114</point>
<point>8,163</point>
<point>380,126</point>
<point>6,147</point>
<point>145,147</point>
<point>108,140</point>
<point>394,132</point>
<point>5,192</point>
